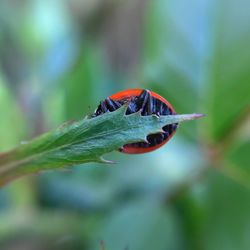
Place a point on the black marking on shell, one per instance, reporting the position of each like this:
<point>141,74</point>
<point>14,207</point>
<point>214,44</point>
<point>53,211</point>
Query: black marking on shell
<point>148,105</point>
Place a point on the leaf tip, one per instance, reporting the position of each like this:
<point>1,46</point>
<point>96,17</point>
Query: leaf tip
<point>196,116</point>
<point>188,117</point>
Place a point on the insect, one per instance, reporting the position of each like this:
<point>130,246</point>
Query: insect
<point>149,103</point>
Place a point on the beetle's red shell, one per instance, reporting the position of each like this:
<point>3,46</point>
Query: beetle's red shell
<point>127,95</point>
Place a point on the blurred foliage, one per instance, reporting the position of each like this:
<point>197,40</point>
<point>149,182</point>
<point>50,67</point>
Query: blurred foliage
<point>58,59</point>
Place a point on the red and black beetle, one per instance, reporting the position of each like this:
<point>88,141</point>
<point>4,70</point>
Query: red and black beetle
<point>149,103</point>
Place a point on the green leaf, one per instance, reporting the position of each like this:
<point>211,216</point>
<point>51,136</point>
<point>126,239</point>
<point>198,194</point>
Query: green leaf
<point>239,155</point>
<point>215,214</point>
<point>172,60</point>
<point>237,162</point>
<point>199,52</point>
<point>227,215</point>
<point>85,76</point>
<point>228,72</point>
<point>83,141</point>
<point>11,126</point>
<point>143,225</point>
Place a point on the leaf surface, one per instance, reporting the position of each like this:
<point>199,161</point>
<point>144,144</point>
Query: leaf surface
<point>83,141</point>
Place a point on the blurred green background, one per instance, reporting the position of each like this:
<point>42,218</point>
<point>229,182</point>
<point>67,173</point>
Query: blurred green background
<point>59,58</point>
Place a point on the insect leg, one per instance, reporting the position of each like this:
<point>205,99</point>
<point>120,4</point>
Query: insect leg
<point>103,107</point>
<point>158,107</point>
<point>111,105</point>
<point>116,103</point>
<point>148,108</point>
<point>133,106</point>
<point>144,97</point>
<point>142,101</point>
